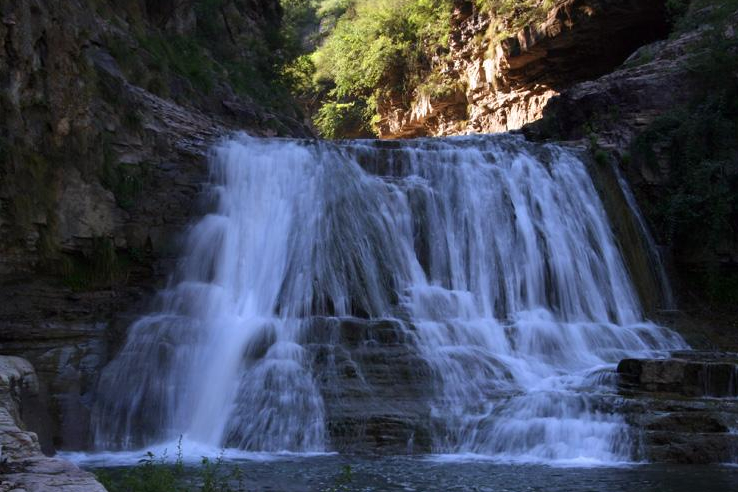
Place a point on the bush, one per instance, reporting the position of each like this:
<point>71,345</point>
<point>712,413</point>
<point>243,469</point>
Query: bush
<point>509,16</point>
<point>377,46</point>
<point>336,120</point>
<point>156,474</point>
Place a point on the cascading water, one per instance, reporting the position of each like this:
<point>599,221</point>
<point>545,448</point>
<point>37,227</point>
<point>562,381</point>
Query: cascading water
<point>495,256</point>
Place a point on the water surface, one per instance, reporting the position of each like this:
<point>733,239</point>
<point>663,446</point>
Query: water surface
<point>322,473</point>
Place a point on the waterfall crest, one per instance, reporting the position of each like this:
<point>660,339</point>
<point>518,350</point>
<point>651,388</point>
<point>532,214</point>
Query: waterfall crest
<point>494,255</point>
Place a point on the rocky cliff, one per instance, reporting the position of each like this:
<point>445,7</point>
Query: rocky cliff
<point>494,84</point>
<point>108,108</point>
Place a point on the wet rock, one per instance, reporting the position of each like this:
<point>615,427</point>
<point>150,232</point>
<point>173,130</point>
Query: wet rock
<point>375,385</point>
<point>690,448</point>
<point>17,380</point>
<point>683,409</point>
<point>47,475</point>
<point>710,377</point>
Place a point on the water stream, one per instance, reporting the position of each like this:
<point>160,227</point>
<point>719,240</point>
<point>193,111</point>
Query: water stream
<point>494,255</point>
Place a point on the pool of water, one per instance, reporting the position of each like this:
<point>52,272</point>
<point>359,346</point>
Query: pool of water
<point>326,472</point>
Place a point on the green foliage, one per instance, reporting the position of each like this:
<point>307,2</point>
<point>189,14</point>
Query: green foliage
<point>298,75</point>
<point>183,56</point>
<point>151,475</point>
<point>376,46</point>
<point>509,16</point>
<point>212,55</point>
<point>333,8</point>
<point>438,86</point>
<point>298,23</point>
<point>336,119</point>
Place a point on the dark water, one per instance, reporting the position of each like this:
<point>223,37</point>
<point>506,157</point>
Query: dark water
<point>326,473</point>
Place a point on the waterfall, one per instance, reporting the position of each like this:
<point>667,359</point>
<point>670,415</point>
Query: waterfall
<point>494,255</point>
<point>657,262</point>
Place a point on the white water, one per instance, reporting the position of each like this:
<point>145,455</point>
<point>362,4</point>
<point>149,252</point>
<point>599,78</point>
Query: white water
<point>495,254</point>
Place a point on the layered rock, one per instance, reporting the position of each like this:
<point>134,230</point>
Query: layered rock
<point>715,375</point>
<point>683,407</point>
<point>508,83</point>
<point>22,466</point>
<point>375,385</point>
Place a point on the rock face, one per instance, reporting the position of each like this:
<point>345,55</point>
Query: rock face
<point>683,407</point>
<point>370,368</point>
<point>22,466</point>
<point>620,104</point>
<point>506,84</point>
<point>717,377</point>
<point>102,161</point>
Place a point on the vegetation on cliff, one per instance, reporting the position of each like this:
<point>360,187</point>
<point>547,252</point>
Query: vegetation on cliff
<point>512,15</point>
<point>187,49</point>
<point>697,144</point>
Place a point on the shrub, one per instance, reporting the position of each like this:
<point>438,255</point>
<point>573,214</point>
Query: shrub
<point>335,119</point>
<point>509,16</point>
<point>377,46</point>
